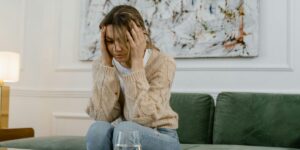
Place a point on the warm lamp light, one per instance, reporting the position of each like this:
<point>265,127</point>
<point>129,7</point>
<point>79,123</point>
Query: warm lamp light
<point>9,72</point>
<point>9,66</point>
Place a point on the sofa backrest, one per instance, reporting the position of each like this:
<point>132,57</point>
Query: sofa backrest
<point>195,113</point>
<point>257,119</point>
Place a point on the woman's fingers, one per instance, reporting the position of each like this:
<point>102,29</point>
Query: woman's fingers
<point>138,30</point>
<point>137,33</point>
<point>138,44</point>
<point>103,44</point>
<point>106,57</point>
<point>134,34</point>
<point>131,41</point>
<point>103,33</point>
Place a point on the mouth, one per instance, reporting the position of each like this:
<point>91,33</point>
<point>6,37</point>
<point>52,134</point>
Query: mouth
<point>119,56</point>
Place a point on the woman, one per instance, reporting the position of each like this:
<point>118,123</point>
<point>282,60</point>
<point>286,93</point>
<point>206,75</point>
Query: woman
<point>132,81</point>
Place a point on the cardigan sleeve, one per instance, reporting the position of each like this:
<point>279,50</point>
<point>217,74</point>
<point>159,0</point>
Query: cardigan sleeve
<point>149,98</point>
<point>104,104</point>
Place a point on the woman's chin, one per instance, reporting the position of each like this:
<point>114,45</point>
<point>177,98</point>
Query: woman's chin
<point>120,59</point>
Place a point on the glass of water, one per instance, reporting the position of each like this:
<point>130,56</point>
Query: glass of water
<point>128,140</point>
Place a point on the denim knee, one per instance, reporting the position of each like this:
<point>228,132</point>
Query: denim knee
<point>99,136</point>
<point>123,126</point>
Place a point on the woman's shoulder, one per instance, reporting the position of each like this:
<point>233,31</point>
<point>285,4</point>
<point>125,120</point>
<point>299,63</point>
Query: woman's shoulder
<point>163,57</point>
<point>96,63</point>
<point>159,59</point>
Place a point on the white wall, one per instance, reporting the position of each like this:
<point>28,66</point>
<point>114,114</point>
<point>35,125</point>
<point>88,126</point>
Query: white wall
<point>11,25</point>
<point>54,86</point>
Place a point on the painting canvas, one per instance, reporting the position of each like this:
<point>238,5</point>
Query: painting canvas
<point>183,28</point>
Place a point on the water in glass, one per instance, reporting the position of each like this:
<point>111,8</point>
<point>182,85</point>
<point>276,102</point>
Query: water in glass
<point>128,140</point>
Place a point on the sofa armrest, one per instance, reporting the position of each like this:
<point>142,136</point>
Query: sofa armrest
<point>16,133</point>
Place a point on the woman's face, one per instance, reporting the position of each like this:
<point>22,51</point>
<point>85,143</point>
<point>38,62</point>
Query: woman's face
<point>119,52</point>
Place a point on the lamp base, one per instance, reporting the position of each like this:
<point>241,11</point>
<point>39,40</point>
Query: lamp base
<point>4,101</point>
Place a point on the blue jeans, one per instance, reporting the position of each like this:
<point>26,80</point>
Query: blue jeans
<point>103,136</point>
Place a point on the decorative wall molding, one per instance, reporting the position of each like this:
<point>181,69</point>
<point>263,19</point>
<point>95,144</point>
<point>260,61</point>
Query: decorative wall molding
<point>290,32</point>
<point>22,33</point>
<point>73,68</point>
<point>65,116</point>
<point>63,93</point>
<point>285,67</point>
<point>69,93</point>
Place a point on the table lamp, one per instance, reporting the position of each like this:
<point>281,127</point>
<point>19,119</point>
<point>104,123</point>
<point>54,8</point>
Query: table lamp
<point>9,72</point>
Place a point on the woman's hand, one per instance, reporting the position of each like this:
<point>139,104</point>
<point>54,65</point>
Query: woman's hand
<point>138,44</point>
<point>106,57</point>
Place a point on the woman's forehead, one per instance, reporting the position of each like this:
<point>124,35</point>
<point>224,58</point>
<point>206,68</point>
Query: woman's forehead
<point>110,32</point>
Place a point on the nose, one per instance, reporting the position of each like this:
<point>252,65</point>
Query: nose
<point>117,46</point>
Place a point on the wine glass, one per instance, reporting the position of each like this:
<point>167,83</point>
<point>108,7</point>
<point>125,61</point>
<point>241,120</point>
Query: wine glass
<point>128,140</point>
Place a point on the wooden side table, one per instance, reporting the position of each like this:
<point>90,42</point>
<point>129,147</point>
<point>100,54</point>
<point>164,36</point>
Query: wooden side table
<point>16,133</point>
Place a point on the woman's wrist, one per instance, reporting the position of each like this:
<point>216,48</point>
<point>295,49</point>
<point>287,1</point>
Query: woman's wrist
<point>107,62</point>
<point>137,64</point>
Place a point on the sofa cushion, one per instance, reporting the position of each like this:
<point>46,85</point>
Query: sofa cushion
<point>195,116</point>
<point>78,143</point>
<point>257,119</point>
<point>48,143</point>
<point>228,147</point>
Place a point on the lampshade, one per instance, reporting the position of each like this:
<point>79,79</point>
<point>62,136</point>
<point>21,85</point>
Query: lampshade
<point>9,66</point>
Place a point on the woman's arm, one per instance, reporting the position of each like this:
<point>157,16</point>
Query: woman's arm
<point>104,104</point>
<point>148,98</point>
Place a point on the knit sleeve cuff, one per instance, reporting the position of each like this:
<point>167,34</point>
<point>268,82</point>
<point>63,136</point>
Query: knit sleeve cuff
<point>107,69</point>
<point>136,75</point>
<point>99,67</point>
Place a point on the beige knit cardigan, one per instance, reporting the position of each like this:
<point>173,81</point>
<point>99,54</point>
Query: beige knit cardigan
<point>146,97</point>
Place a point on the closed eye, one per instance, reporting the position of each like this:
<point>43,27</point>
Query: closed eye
<point>109,41</point>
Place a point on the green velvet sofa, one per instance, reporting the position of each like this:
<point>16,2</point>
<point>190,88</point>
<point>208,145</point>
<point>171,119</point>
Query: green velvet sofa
<point>238,121</point>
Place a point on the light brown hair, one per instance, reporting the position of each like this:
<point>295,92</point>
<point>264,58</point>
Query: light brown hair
<point>120,17</point>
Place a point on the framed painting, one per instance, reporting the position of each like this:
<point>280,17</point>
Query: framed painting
<point>183,28</point>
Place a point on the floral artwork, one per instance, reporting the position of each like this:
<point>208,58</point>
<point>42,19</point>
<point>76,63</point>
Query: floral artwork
<point>183,28</point>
